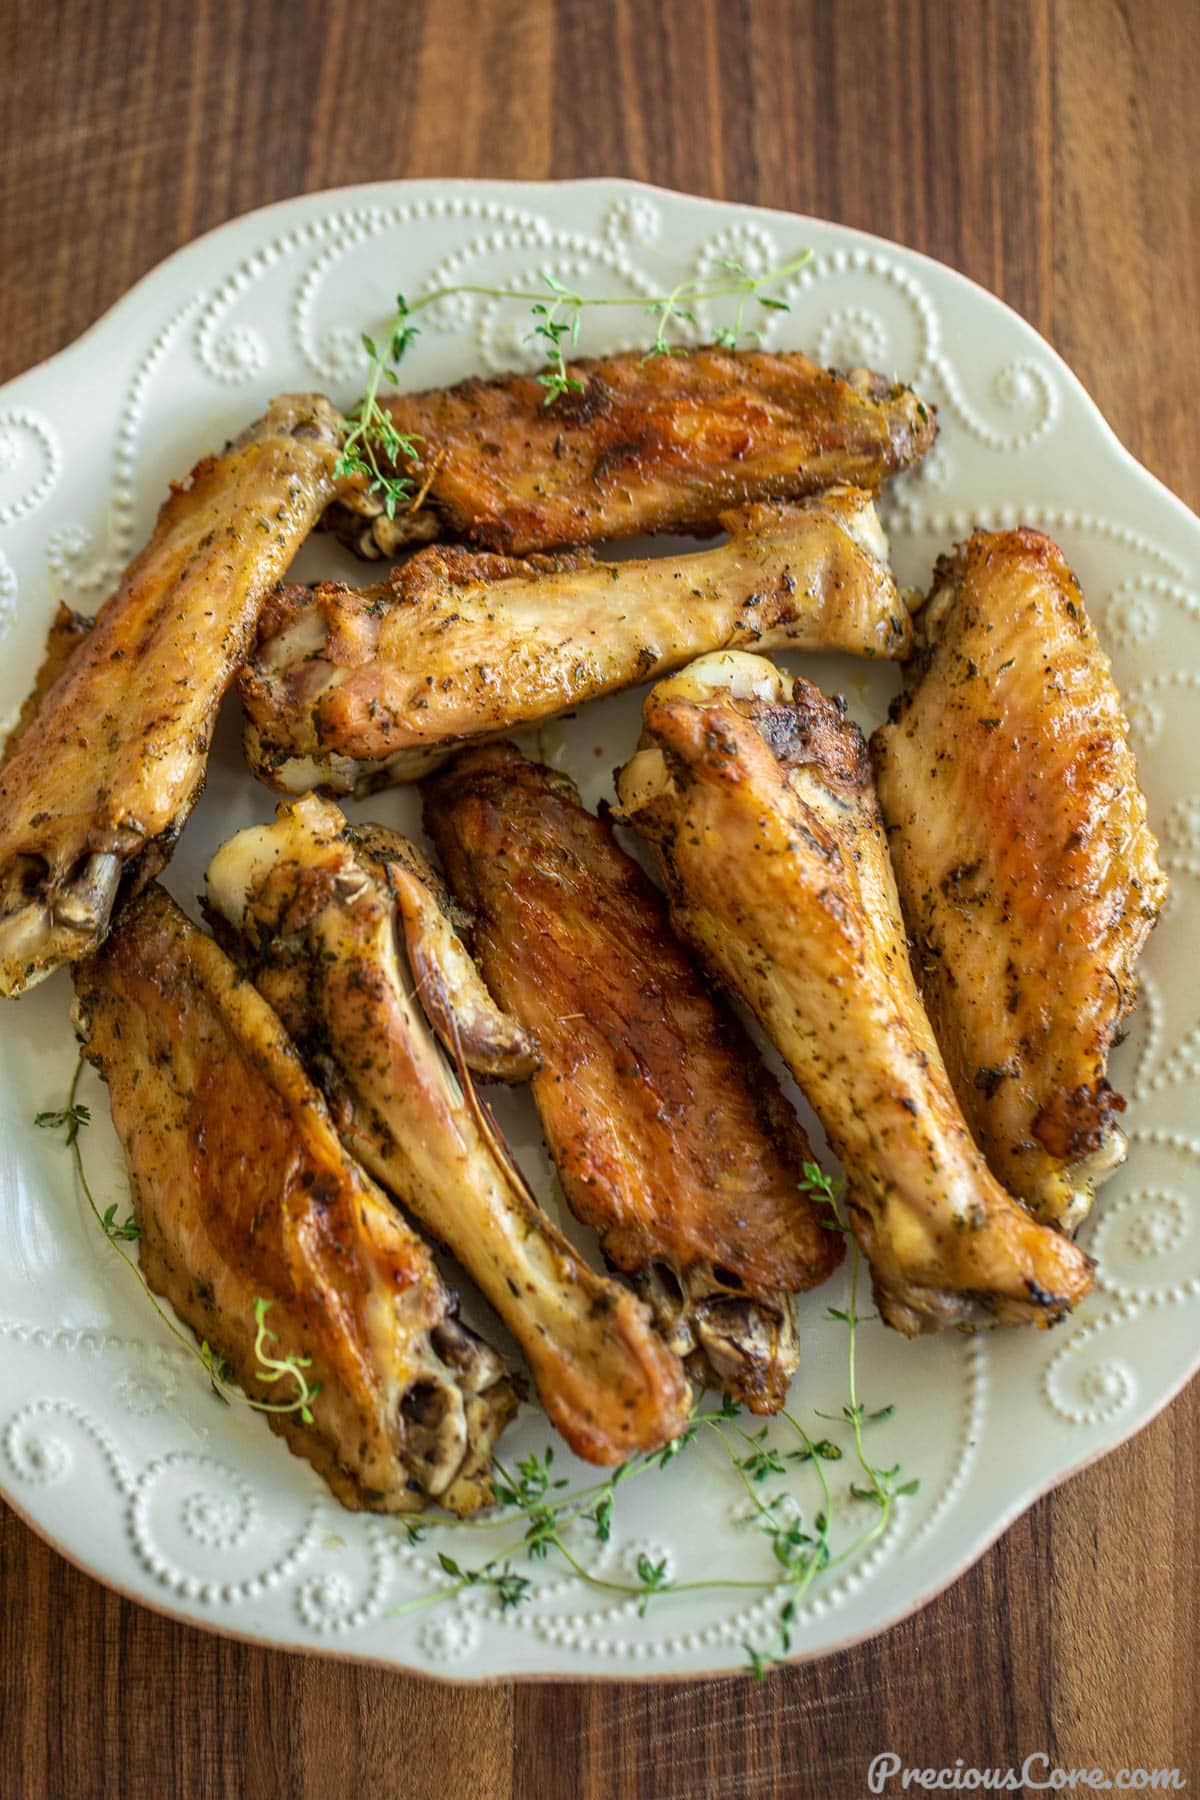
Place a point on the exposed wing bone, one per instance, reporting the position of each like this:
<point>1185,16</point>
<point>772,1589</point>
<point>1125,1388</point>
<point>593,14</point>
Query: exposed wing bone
<point>242,1192</point>
<point>351,690</point>
<point>318,915</point>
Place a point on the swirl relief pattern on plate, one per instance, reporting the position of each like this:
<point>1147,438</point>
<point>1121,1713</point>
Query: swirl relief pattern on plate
<point>110,1438</point>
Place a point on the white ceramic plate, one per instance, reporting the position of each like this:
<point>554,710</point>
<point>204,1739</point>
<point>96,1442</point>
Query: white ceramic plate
<point>111,1443</point>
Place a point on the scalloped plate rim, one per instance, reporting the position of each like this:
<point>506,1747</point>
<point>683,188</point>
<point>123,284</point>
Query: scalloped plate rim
<point>296,202</point>
<point>1024,1494</point>
<point>660,1677</point>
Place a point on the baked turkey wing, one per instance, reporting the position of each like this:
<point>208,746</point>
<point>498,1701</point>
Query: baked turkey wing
<point>351,690</point>
<point>758,803</point>
<point>1026,868</point>
<point>344,936</point>
<point>242,1192</point>
<point>103,776</point>
<point>660,443</point>
<point>670,1137</point>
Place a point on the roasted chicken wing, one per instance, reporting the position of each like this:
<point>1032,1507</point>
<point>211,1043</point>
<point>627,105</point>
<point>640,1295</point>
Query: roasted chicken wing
<point>760,809</point>
<point>104,775</point>
<point>318,907</point>
<point>351,690</point>
<point>661,443</point>
<point>1026,869</point>
<point>242,1192</point>
<point>669,1135</point>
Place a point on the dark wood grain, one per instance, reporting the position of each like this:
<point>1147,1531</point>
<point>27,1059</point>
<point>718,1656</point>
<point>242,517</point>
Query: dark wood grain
<point>1049,148</point>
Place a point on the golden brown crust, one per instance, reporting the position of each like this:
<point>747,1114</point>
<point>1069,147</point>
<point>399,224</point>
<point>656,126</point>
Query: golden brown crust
<point>317,913</point>
<point>352,689</point>
<point>99,786</point>
<point>662,443</point>
<point>778,875</point>
<point>242,1191</point>
<point>670,1137</point>
<point>1026,867</point>
<point>811,731</point>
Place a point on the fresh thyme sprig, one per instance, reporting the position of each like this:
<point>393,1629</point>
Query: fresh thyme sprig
<point>72,1118</point>
<point>802,1547</point>
<point>371,446</point>
<point>545,1504</point>
<point>374,449</point>
<point>509,1587</point>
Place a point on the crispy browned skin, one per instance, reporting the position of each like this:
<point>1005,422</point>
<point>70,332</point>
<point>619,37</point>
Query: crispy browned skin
<point>67,631</point>
<point>669,1135</point>
<point>318,905</point>
<point>1027,872</point>
<point>759,805</point>
<point>665,443</point>
<point>351,690</point>
<point>104,776</point>
<point>242,1192</point>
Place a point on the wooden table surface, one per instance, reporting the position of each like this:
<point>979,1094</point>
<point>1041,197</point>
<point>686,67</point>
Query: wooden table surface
<point>1051,150</point>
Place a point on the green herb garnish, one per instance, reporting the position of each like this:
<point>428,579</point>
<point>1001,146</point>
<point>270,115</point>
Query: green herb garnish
<point>801,1546</point>
<point>374,449</point>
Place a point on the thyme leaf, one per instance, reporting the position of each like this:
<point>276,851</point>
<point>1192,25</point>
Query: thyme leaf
<point>72,1116</point>
<point>126,1232</point>
<point>801,1546</point>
